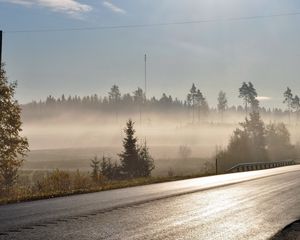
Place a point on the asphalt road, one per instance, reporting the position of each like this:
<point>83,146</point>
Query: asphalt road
<point>251,205</point>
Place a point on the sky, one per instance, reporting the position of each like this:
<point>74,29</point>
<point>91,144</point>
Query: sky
<point>215,55</point>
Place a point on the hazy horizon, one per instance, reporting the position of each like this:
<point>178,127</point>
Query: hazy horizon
<point>217,55</point>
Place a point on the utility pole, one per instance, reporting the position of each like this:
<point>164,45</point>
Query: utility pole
<point>1,33</point>
<point>216,166</point>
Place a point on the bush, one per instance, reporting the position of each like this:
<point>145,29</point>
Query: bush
<point>57,181</point>
<point>81,181</point>
<point>279,146</point>
<point>110,171</point>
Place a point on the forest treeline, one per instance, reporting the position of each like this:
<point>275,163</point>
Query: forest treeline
<point>195,105</point>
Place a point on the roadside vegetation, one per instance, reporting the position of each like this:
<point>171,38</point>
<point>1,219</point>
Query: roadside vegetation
<point>53,185</point>
<point>136,165</point>
<point>255,141</point>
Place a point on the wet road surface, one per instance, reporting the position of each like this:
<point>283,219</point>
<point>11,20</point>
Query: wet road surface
<point>252,205</point>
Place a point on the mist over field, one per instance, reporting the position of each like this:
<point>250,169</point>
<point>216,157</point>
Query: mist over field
<point>69,140</point>
<point>184,136</point>
<point>77,132</point>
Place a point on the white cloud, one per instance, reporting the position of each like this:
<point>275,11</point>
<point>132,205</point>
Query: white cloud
<point>263,98</point>
<point>20,2</point>
<point>70,7</point>
<point>113,7</point>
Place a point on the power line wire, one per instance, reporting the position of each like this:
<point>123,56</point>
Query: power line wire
<point>147,25</point>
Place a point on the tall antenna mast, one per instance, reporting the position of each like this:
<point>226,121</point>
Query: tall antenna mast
<point>145,77</point>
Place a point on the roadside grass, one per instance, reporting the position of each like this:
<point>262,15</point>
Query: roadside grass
<point>39,179</point>
<point>31,193</point>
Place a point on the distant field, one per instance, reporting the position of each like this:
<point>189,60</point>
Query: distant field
<point>73,159</point>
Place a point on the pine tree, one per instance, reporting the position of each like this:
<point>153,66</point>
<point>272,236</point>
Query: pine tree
<point>243,90</point>
<point>288,100</point>
<point>296,106</point>
<point>130,157</point>
<point>114,97</point>
<point>222,103</point>
<point>13,147</point>
<point>191,99</point>
<point>199,102</point>
<point>138,98</point>
<point>252,96</point>
<point>249,94</point>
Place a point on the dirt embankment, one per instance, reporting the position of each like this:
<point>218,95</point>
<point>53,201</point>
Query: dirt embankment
<point>290,232</point>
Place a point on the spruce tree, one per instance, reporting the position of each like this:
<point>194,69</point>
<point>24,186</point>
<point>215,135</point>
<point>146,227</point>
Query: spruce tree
<point>13,147</point>
<point>146,162</point>
<point>136,161</point>
<point>95,169</point>
<point>111,171</point>
<point>129,157</point>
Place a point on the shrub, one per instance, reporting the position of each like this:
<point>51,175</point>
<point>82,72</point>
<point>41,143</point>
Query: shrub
<point>56,181</point>
<point>81,181</point>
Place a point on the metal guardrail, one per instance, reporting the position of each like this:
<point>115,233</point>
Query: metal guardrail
<point>243,167</point>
